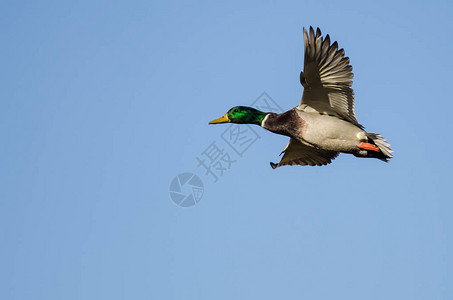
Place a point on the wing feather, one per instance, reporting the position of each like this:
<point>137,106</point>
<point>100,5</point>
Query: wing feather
<point>327,77</point>
<point>296,153</point>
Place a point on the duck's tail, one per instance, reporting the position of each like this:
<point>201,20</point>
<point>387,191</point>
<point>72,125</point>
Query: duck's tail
<point>385,152</point>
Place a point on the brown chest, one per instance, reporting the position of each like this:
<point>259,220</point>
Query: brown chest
<point>288,123</point>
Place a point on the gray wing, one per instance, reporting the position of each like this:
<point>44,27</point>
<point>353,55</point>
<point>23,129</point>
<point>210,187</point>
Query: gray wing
<point>297,153</point>
<point>327,78</point>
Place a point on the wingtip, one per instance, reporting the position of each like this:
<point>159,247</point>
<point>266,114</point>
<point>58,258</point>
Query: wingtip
<point>334,46</point>
<point>318,32</point>
<point>312,29</point>
<point>273,165</point>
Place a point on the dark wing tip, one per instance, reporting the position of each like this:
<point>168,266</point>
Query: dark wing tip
<point>318,32</point>
<point>273,165</point>
<point>335,46</point>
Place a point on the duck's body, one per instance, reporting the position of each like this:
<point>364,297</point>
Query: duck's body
<point>321,131</point>
<point>324,123</point>
<point>321,137</point>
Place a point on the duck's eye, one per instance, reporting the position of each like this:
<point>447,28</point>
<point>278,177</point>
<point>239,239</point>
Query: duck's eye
<point>236,110</point>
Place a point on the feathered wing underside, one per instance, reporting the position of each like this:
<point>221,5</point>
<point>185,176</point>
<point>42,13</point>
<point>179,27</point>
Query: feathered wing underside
<point>327,78</point>
<point>296,153</point>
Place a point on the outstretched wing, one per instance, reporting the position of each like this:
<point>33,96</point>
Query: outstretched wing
<point>297,153</point>
<point>327,78</point>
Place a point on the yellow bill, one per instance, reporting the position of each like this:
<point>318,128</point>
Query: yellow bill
<point>222,119</point>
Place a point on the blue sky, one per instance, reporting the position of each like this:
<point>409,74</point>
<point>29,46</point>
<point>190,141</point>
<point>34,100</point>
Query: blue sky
<point>103,103</point>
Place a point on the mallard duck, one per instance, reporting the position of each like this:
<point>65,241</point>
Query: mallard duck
<point>324,124</point>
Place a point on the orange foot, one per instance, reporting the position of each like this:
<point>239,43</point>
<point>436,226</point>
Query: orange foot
<point>368,146</point>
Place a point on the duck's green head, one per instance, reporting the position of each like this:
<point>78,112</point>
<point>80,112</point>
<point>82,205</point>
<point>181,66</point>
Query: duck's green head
<point>241,115</point>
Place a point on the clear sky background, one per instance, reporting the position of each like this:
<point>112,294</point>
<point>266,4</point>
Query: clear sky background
<point>103,103</point>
